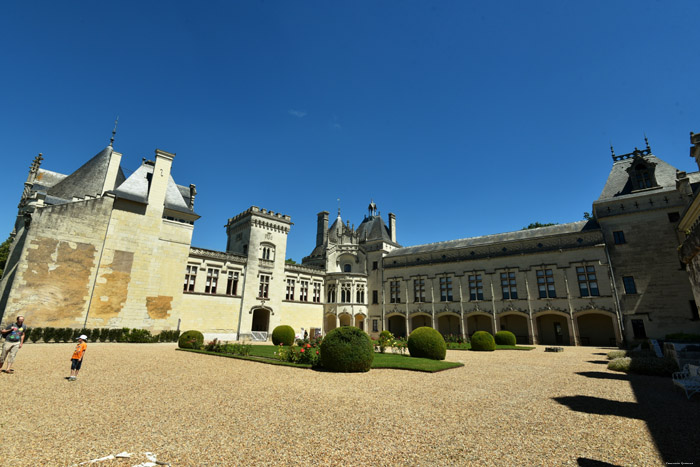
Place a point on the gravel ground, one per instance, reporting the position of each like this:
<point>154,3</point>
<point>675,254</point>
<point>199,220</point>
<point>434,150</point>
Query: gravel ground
<point>511,408</point>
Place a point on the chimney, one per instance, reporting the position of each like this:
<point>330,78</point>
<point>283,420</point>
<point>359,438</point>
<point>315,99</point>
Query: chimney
<point>160,179</point>
<point>392,226</point>
<point>193,193</point>
<point>112,171</point>
<point>322,228</point>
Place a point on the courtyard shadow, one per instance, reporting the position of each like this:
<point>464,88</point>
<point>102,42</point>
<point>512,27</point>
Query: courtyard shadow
<point>584,462</point>
<point>599,362</point>
<point>602,375</point>
<point>601,353</point>
<point>671,419</point>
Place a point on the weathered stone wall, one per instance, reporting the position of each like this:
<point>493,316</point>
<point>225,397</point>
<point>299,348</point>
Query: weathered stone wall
<point>54,276</point>
<point>213,315</point>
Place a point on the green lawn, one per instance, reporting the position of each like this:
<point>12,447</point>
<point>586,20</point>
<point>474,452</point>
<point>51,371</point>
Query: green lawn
<point>468,346</point>
<point>266,354</point>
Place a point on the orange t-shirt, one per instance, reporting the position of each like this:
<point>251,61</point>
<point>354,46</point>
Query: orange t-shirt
<point>79,351</point>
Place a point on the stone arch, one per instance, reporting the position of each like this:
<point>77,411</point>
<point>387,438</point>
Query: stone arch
<point>419,320</point>
<point>396,324</point>
<point>596,328</point>
<point>553,328</point>
<point>517,323</point>
<point>359,320</point>
<point>329,322</point>
<point>448,323</point>
<point>345,319</point>
<point>479,321</point>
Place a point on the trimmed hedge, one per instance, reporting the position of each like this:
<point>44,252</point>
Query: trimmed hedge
<point>426,342</point>
<point>191,340</point>
<point>283,335</point>
<point>505,338</point>
<point>347,349</point>
<point>483,341</point>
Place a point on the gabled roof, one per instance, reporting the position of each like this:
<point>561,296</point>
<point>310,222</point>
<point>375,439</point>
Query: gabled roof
<point>88,180</point>
<point>619,184</point>
<point>373,228</point>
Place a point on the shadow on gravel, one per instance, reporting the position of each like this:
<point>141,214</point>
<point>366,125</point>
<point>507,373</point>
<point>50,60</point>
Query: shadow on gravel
<point>671,419</point>
<point>584,462</point>
<point>601,353</point>
<point>602,375</point>
<point>599,362</point>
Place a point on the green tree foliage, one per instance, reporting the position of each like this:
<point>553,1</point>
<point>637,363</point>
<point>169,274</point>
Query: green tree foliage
<point>482,340</point>
<point>283,334</point>
<point>289,261</point>
<point>4,253</point>
<point>426,342</point>
<point>347,349</point>
<point>536,225</point>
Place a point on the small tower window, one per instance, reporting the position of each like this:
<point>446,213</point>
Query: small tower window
<point>347,268</point>
<point>642,177</point>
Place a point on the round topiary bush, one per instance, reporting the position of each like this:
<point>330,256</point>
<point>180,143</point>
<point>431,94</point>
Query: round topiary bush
<point>505,338</point>
<point>283,335</point>
<point>482,340</point>
<point>425,342</point>
<point>347,349</point>
<point>190,340</point>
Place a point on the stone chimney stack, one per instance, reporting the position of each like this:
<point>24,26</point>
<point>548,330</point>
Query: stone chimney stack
<point>695,148</point>
<point>112,171</point>
<point>193,193</point>
<point>322,228</point>
<point>392,226</point>
<point>159,180</point>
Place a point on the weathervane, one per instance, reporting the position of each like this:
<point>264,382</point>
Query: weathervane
<point>114,132</point>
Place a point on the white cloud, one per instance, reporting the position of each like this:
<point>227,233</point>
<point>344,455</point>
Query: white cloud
<point>296,113</point>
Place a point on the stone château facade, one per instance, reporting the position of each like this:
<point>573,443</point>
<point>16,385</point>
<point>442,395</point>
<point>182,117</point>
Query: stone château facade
<point>98,249</point>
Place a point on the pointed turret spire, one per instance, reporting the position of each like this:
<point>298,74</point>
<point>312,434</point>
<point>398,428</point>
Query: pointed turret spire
<point>647,142</point>
<point>114,132</point>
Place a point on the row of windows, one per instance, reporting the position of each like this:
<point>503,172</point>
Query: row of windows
<point>211,283</point>
<point>346,293</point>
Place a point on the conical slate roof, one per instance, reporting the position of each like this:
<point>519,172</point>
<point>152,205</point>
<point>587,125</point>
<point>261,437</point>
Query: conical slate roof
<point>88,180</point>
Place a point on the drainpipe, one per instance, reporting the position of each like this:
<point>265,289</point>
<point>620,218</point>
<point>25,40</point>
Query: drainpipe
<point>240,311</point>
<point>97,270</point>
<point>617,297</point>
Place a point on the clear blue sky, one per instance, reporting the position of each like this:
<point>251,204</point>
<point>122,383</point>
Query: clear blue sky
<point>463,118</point>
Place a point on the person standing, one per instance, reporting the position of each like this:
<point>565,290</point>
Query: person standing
<point>77,359</point>
<point>14,339</point>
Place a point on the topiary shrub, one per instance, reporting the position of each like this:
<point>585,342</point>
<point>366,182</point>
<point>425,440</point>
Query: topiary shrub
<point>37,333</point>
<point>482,340</point>
<point>283,335</point>
<point>191,340</point>
<point>426,342</point>
<point>505,338</point>
<point>347,349</point>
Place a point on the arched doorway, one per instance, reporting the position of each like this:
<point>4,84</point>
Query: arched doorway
<point>553,329</point>
<point>449,325</point>
<point>479,322</point>
<point>345,319</point>
<point>517,324</point>
<point>596,329</point>
<point>420,321</point>
<point>328,322</point>
<point>396,325</point>
<point>261,320</point>
<point>360,322</point>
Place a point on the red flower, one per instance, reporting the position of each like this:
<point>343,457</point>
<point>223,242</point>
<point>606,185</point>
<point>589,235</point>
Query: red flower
<point>302,350</point>
<point>317,352</point>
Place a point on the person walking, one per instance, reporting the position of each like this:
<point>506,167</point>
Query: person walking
<point>76,360</point>
<point>14,339</point>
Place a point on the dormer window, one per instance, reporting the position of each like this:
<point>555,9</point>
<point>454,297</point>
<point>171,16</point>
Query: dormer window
<point>642,177</point>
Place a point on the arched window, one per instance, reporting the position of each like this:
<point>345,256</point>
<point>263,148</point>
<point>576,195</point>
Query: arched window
<point>347,267</point>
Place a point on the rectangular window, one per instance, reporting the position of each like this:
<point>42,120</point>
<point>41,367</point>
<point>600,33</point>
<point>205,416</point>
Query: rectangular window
<point>232,283</point>
<point>264,289</point>
<point>304,291</point>
<point>619,237</point>
<point>509,287</point>
<point>375,325</point>
<point>628,282</point>
<point>587,281</point>
<point>360,293</point>
<point>445,289</point>
<point>190,277</point>
<point>290,290</point>
<point>476,287</point>
<point>375,297</point>
<point>419,290</point>
<point>317,293</point>
<point>674,217</point>
<point>331,293</point>
<point>638,329</point>
<point>212,280</point>
<point>345,292</point>
<point>545,283</point>
<point>395,291</point>
<point>375,264</point>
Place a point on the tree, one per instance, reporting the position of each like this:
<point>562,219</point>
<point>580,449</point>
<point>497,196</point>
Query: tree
<point>587,215</point>
<point>289,261</point>
<point>536,225</point>
<point>4,253</point>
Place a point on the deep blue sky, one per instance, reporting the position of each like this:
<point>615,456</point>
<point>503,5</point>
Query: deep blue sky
<point>463,118</point>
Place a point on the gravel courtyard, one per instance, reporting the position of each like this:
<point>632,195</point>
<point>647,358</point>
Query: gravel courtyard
<point>510,408</point>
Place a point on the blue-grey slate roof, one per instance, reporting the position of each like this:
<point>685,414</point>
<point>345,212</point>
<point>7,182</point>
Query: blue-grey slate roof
<point>619,184</point>
<point>88,180</point>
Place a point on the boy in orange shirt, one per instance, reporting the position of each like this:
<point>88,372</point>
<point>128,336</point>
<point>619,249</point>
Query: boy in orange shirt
<point>77,359</point>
